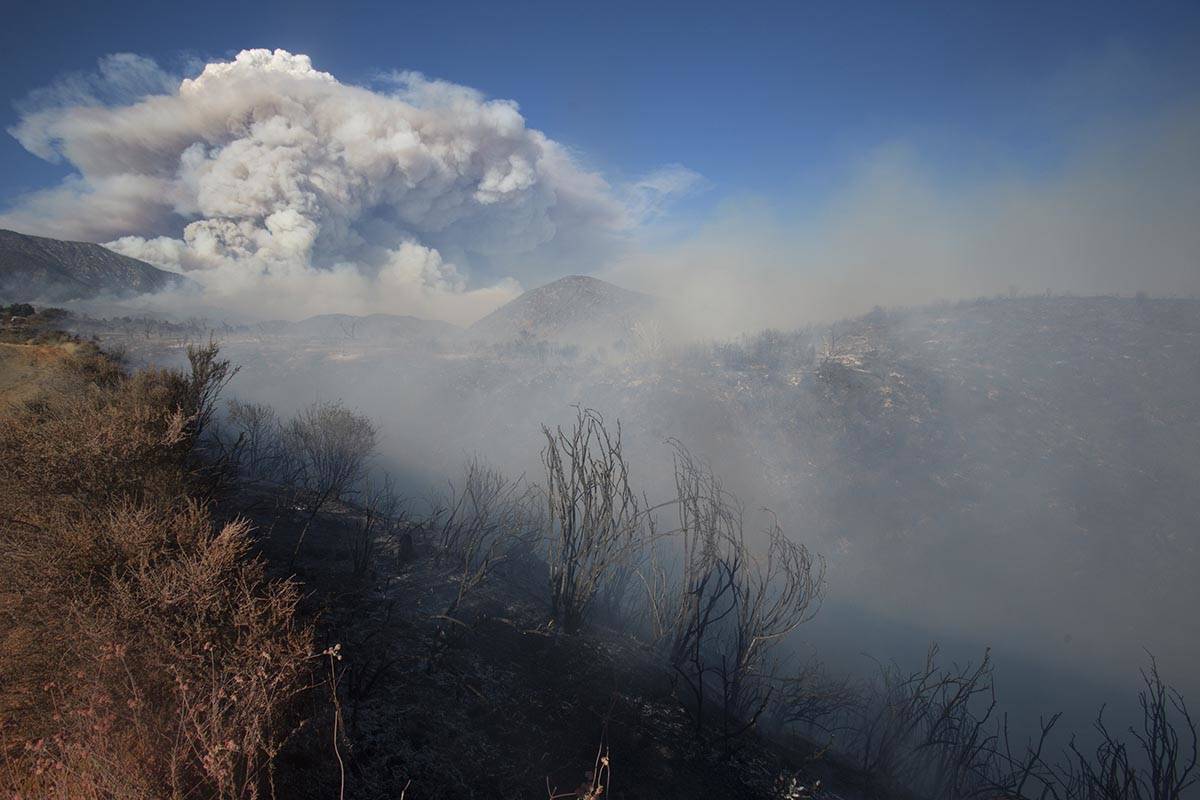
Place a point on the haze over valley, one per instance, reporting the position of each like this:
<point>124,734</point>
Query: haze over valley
<point>490,443</point>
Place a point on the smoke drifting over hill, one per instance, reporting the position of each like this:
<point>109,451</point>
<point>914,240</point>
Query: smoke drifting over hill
<point>1118,216</point>
<point>275,184</point>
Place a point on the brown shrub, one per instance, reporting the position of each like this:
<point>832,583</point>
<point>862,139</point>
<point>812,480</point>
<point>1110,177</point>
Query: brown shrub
<point>83,448</point>
<point>145,654</point>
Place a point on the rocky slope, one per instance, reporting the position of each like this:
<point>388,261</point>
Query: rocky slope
<point>34,268</point>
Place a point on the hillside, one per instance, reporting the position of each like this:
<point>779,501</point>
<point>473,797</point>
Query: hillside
<point>938,456</point>
<point>101,477</point>
<point>382,699</point>
<point>576,309</point>
<point>35,268</point>
<point>944,455</point>
<point>497,704</point>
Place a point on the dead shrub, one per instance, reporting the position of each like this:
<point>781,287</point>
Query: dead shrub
<point>1158,760</point>
<point>479,522</point>
<point>810,700</point>
<point>380,514</point>
<point>594,516</point>
<point>720,609</point>
<point>326,449</point>
<point>257,441</point>
<point>927,729</point>
<point>210,374</point>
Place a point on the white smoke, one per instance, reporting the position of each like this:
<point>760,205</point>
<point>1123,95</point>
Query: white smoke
<point>1118,216</point>
<point>286,192</point>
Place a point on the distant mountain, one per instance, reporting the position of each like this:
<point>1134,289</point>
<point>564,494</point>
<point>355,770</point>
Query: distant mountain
<point>374,327</point>
<point>35,268</point>
<point>576,309</point>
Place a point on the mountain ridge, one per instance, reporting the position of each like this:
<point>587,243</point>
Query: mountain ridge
<point>38,268</point>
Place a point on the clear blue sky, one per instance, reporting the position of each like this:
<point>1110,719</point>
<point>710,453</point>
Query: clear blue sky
<point>770,99</point>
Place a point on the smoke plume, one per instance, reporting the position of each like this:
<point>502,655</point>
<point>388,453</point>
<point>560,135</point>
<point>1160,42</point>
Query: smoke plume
<point>285,192</point>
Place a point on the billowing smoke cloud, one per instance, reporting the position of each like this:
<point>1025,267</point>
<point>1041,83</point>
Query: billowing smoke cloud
<point>286,192</point>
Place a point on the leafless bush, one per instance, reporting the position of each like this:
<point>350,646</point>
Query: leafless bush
<point>479,522</point>
<point>258,440</point>
<point>1159,762</point>
<point>327,448</point>
<point>811,701</point>
<point>928,729</point>
<point>380,513</point>
<point>322,455</point>
<point>722,618</point>
<point>932,731</point>
<point>593,514</point>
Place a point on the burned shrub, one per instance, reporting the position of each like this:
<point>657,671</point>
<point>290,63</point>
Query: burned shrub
<point>479,522</point>
<point>593,514</point>
<point>719,609</point>
<point>326,450</point>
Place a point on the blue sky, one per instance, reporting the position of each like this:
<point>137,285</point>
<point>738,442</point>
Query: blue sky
<point>820,118</point>
<point>771,98</point>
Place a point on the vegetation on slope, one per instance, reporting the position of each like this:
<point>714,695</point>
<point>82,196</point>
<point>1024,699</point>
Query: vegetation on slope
<point>145,654</point>
<point>569,637</point>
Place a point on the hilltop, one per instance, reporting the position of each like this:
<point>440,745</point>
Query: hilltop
<point>576,309</point>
